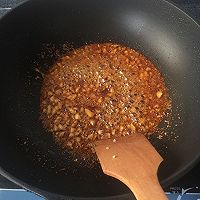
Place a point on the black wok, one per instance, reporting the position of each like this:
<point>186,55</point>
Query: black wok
<point>156,28</point>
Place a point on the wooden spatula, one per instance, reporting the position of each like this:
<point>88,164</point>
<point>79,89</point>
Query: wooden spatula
<point>134,161</point>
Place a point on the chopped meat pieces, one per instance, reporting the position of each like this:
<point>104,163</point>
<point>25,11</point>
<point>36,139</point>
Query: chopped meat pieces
<point>102,91</point>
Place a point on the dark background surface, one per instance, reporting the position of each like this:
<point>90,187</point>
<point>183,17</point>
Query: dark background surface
<point>192,8</point>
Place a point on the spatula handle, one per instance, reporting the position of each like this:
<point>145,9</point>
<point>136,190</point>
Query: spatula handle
<point>148,189</point>
<point>135,162</point>
<point>144,185</point>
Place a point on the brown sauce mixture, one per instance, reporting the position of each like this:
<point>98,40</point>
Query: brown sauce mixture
<point>102,91</point>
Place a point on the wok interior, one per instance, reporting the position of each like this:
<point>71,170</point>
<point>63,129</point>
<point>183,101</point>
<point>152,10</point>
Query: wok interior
<point>27,151</point>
